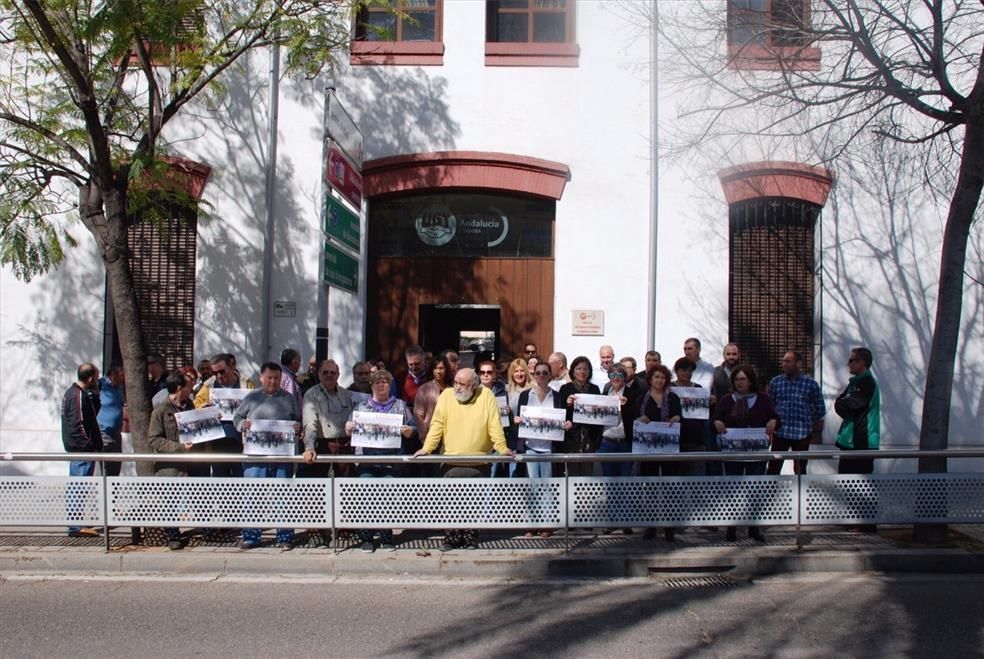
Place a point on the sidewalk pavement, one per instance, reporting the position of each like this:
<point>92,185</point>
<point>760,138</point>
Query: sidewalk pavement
<point>502,555</point>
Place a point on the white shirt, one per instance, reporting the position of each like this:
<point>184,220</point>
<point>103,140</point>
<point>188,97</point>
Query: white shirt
<point>703,374</point>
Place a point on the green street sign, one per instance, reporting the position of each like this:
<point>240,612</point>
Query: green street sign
<point>341,270</point>
<point>341,223</point>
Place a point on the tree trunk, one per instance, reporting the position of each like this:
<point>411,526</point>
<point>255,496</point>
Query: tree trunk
<point>128,327</point>
<point>939,371</point>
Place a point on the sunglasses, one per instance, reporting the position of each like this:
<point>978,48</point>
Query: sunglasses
<point>616,376</point>
<point>542,373</point>
<point>486,372</point>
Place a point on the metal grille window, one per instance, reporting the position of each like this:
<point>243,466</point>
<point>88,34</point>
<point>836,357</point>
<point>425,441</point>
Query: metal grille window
<point>772,281</point>
<point>162,261</point>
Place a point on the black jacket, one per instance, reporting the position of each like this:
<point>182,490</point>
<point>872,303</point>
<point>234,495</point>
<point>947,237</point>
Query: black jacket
<point>80,429</point>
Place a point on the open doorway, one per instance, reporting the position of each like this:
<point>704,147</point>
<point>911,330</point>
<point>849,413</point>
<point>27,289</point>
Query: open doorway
<point>468,328</point>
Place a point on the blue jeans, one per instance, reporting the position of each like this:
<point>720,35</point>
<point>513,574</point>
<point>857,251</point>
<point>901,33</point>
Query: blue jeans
<point>538,469</point>
<point>74,505</point>
<point>271,470</point>
<point>615,468</point>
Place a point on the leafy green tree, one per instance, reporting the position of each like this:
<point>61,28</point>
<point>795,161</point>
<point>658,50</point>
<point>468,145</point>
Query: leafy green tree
<point>86,94</point>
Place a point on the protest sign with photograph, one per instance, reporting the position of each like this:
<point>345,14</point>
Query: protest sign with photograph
<point>694,401</point>
<point>655,437</point>
<point>227,400</point>
<point>270,438</point>
<point>739,440</point>
<point>597,410</point>
<point>546,423</point>
<point>376,430</point>
<point>504,412</point>
<point>196,426</point>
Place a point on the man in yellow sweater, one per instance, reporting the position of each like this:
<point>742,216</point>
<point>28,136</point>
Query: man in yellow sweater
<point>467,419</point>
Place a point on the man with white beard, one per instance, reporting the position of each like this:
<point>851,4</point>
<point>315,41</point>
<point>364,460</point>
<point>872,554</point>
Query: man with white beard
<point>467,419</point>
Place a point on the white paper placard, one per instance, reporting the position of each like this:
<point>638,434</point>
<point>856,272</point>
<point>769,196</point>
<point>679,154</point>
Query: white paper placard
<point>655,437</point>
<point>597,410</point>
<point>227,400</point>
<point>694,401</point>
<point>266,437</point>
<point>740,440</point>
<point>376,430</point>
<point>546,423</point>
<point>197,426</point>
<point>504,411</point>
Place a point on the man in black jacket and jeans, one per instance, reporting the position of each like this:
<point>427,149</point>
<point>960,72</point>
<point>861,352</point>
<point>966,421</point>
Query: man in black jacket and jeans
<point>81,434</point>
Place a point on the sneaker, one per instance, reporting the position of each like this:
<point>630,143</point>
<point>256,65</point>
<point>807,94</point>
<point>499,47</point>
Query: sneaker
<point>87,532</point>
<point>367,547</point>
<point>447,546</point>
<point>627,531</point>
<point>284,546</point>
<point>387,546</point>
<point>248,544</point>
<point>175,545</point>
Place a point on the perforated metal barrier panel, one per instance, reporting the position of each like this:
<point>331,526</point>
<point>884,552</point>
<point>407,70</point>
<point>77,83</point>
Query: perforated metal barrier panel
<point>220,502</point>
<point>888,498</point>
<point>683,501</point>
<point>51,500</point>
<point>448,503</point>
<point>520,503</point>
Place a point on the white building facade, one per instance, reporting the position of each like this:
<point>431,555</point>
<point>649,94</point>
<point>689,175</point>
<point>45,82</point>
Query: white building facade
<point>509,190</point>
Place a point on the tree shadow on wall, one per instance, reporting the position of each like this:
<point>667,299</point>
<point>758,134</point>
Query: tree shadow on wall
<point>230,275</point>
<point>881,263</point>
<point>407,108</point>
<point>66,330</point>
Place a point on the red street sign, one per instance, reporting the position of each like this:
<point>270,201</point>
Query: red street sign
<point>342,176</point>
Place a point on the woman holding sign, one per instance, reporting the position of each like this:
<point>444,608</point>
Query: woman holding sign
<point>746,407</point>
<point>659,404</point>
<point>381,402</point>
<point>580,437</point>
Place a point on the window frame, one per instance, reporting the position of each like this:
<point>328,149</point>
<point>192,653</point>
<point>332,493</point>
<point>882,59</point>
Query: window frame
<point>365,52</point>
<point>529,52</point>
<point>771,55</point>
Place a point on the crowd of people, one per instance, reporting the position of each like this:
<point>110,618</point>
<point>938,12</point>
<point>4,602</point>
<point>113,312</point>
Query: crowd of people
<point>458,411</point>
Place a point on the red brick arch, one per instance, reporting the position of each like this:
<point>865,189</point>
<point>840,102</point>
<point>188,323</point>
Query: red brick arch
<point>479,170</point>
<point>776,179</point>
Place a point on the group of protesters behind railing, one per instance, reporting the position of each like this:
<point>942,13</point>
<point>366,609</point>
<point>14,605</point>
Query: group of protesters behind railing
<point>524,405</point>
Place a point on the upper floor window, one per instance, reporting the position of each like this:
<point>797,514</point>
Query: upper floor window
<point>399,32</point>
<point>530,33</point>
<point>530,21</point>
<point>770,35</point>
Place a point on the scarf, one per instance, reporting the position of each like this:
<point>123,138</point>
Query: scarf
<point>383,407</point>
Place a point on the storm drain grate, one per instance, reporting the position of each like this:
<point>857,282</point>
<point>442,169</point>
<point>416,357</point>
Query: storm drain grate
<point>711,581</point>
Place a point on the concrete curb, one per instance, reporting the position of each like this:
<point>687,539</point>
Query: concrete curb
<point>480,564</point>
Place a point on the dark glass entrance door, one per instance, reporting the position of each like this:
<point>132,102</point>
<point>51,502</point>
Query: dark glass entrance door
<point>467,328</point>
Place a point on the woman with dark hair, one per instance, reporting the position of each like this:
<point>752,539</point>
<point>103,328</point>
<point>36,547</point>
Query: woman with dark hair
<point>659,404</point>
<point>440,374</point>
<point>579,437</point>
<point>745,407</point>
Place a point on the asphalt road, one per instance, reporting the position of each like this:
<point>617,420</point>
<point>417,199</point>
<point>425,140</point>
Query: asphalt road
<point>808,616</point>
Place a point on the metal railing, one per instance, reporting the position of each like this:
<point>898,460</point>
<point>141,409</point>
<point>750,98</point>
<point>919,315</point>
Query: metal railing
<point>567,502</point>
